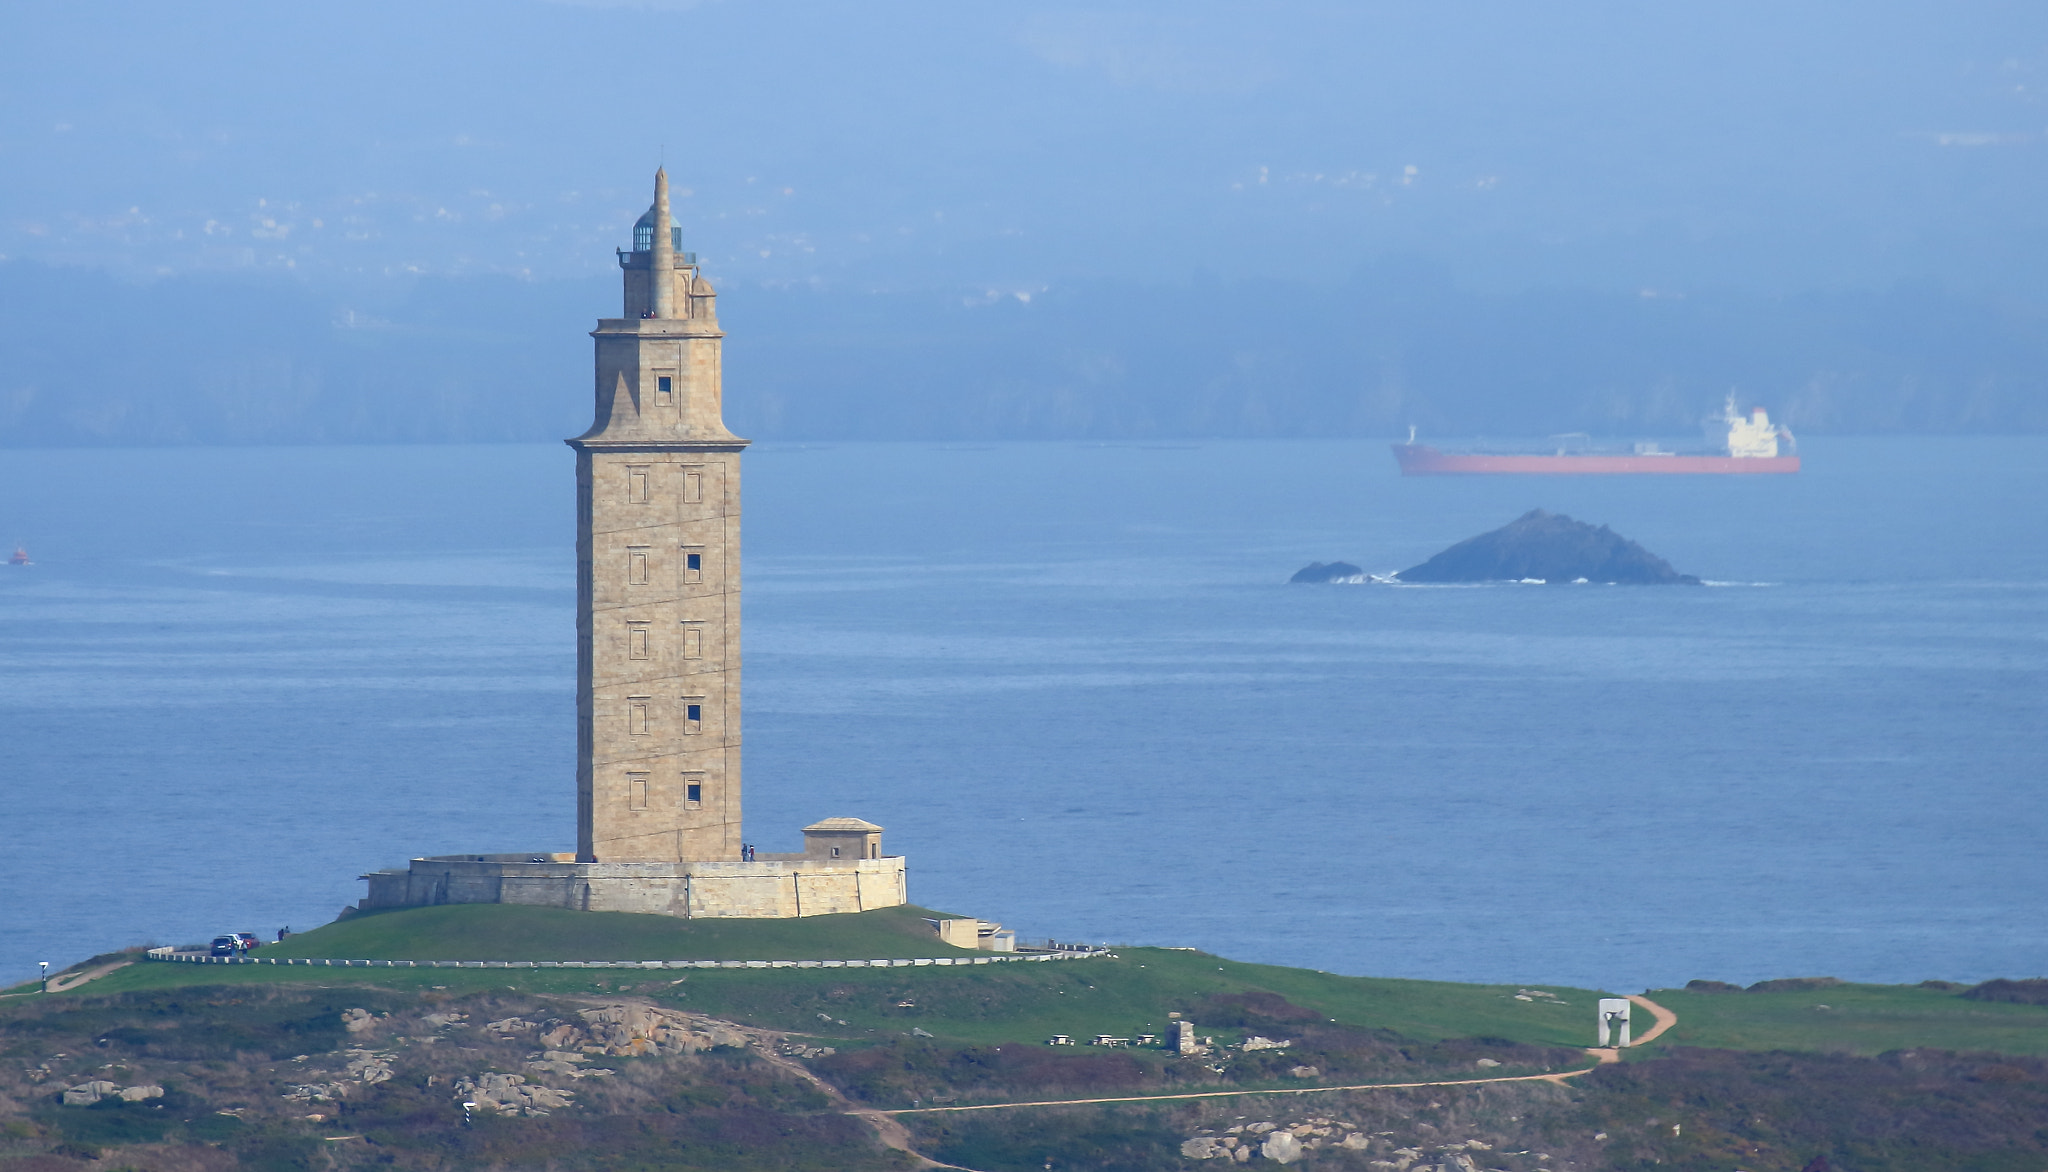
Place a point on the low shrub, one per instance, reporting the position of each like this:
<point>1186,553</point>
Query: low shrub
<point>1794,985</point>
<point>2033,991</point>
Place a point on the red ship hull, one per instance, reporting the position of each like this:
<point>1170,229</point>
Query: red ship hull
<point>1422,460</point>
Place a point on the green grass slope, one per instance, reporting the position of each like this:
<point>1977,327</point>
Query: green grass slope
<point>513,932</point>
<point>1128,995</point>
<point>1853,1019</point>
<point>1125,996</point>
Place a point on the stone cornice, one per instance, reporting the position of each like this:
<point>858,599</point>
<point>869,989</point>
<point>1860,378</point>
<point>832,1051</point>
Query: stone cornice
<point>655,445</point>
<point>654,329</point>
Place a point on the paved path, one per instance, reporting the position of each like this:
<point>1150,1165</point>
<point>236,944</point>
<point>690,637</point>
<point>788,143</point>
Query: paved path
<point>1556,1077</point>
<point>63,983</point>
<point>1664,1017</point>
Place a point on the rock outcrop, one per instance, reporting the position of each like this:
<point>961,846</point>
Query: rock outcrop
<point>1328,572</point>
<point>85,1094</point>
<point>1549,548</point>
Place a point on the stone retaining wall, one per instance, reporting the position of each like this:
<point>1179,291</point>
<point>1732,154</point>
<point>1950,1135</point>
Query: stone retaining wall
<point>789,887</point>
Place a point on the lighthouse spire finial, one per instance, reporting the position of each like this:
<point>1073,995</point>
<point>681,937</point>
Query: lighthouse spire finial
<point>663,269</point>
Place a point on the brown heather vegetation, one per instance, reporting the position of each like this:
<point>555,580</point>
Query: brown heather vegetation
<point>301,1078</point>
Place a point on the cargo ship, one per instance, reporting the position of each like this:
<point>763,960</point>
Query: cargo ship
<point>1752,448</point>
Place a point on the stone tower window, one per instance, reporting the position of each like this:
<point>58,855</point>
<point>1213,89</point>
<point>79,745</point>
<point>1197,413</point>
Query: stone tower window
<point>636,484</point>
<point>636,785</point>
<point>693,715</point>
<point>693,792</point>
<point>693,565</point>
<point>693,487</point>
<point>693,641</point>
<point>665,390</point>
<point>636,715</point>
<point>636,565</point>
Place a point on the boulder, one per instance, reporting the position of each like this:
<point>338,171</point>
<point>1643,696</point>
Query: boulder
<point>369,1068</point>
<point>1203,1147</point>
<point>138,1094</point>
<point>1550,548</point>
<point>627,1030</point>
<point>1281,1147</point>
<point>85,1094</point>
<point>510,1094</point>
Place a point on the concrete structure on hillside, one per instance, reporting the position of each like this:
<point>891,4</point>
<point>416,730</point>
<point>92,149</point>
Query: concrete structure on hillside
<point>658,648</point>
<point>1613,1013</point>
<point>982,934</point>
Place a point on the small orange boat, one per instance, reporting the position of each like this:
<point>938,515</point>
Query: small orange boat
<point>20,557</point>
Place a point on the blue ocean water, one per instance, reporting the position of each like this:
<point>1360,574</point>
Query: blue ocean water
<point>1073,683</point>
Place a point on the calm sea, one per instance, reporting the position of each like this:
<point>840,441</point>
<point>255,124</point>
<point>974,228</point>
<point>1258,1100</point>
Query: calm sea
<point>1073,683</point>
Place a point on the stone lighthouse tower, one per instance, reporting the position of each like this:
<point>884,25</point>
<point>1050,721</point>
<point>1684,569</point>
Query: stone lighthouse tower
<point>658,650</point>
<point>658,572</point>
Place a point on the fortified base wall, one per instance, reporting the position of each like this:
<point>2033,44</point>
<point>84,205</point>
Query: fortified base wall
<point>783,888</point>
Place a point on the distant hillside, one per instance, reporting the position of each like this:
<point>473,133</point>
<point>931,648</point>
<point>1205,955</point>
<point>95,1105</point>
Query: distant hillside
<point>388,360</point>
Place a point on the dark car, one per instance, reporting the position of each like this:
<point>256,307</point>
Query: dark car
<point>225,945</point>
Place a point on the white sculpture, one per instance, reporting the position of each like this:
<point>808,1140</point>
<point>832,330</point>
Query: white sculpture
<point>1614,1021</point>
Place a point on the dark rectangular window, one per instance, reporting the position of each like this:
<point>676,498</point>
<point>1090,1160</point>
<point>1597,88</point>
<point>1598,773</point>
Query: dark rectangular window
<point>665,385</point>
<point>696,561</point>
<point>696,793</point>
<point>694,712</point>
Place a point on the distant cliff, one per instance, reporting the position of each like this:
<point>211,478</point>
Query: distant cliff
<point>1548,547</point>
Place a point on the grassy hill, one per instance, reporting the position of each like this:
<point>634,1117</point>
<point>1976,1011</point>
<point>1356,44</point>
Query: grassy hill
<point>305,1067</point>
<point>1127,995</point>
<point>1853,1019</point>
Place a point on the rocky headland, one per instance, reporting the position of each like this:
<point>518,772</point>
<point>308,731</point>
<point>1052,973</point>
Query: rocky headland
<point>1548,547</point>
<point>1537,547</point>
<point>1328,572</point>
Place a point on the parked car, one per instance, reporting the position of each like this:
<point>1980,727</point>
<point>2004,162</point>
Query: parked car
<point>249,941</point>
<point>225,945</point>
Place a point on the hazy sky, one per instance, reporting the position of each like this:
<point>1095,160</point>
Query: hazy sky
<point>1767,146</point>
